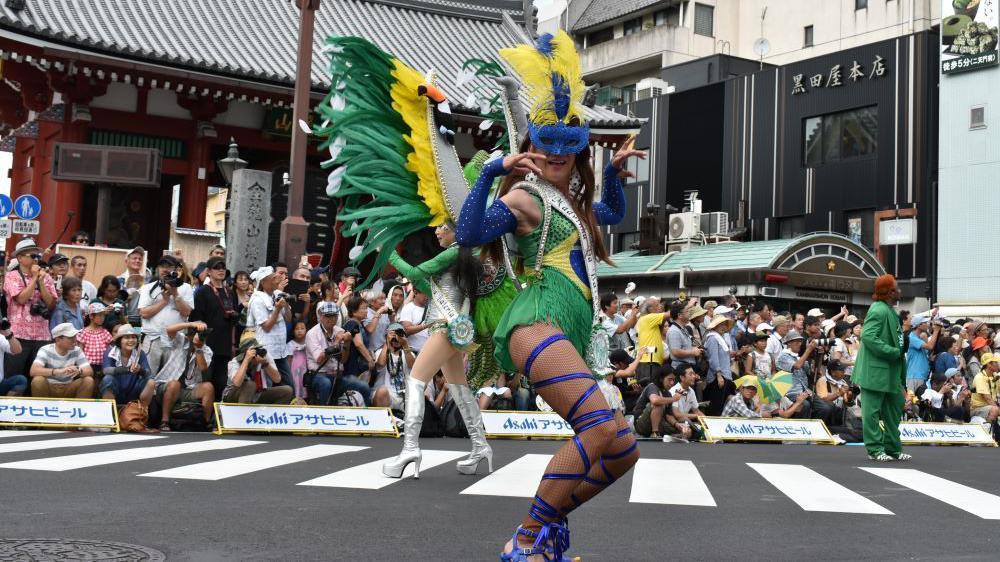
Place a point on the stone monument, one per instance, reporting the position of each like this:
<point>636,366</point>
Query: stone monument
<point>249,216</point>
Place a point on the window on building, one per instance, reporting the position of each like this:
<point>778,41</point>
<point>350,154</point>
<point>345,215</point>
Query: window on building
<point>860,4</point>
<point>613,95</point>
<point>628,94</point>
<point>977,117</point>
<point>631,26</point>
<point>840,136</point>
<point>641,167</point>
<point>670,16</point>
<point>807,38</point>
<point>704,20</point>
<point>600,36</point>
<point>791,227</point>
<point>627,240</point>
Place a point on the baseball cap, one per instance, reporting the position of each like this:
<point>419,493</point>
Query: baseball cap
<point>328,308</point>
<point>350,272</point>
<point>918,320</point>
<point>764,326</point>
<point>723,309</point>
<point>215,261</point>
<point>137,249</point>
<point>396,327</point>
<point>620,356</point>
<point>169,260</point>
<point>748,383</point>
<point>815,312</point>
<point>64,330</point>
<point>952,372</point>
<point>791,336</point>
<point>835,365</point>
<point>985,359</point>
<point>57,258</point>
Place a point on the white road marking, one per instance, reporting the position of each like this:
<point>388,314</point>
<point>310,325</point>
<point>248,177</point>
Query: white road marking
<point>815,492</point>
<point>518,479</point>
<point>976,502</point>
<point>238,466</point>
<point>369,476</point>
<point>89,441</point>
<point>673,482</point>
<point>70,462</point>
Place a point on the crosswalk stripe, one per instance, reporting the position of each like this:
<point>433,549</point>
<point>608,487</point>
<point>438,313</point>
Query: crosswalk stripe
<point>518,479</point>
<point>237,466</point>
<point>91,441</point>
<point>28,433</point>
<point>976,502</point>
<point>369,476</point>
<point>815,492</point>
<point>673,482</point>
<point>70,462</point>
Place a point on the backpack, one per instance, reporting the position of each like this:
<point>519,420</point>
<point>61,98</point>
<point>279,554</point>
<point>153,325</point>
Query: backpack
<point>351,398</point>
<point>188,417</point>
<point>454,425</point>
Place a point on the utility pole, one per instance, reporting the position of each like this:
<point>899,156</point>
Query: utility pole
<point>294,229</point>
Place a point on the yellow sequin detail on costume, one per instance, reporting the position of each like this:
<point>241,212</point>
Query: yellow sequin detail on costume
<point>558,258</point>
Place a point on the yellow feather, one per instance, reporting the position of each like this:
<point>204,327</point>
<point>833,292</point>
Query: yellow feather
<point>535,70</point>
<point>413,108</point>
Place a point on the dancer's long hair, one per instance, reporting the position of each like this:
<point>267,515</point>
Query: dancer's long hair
<point>467,269</point>
<point>583,203</point>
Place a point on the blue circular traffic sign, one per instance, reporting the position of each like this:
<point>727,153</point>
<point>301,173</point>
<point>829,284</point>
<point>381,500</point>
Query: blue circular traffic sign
<point>27,207</point>
<point>6,206</point>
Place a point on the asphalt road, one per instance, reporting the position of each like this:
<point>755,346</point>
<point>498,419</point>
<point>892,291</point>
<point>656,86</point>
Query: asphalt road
<point>775,502</point>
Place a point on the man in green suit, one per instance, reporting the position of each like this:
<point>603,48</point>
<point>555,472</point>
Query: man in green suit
<point>880,371</point>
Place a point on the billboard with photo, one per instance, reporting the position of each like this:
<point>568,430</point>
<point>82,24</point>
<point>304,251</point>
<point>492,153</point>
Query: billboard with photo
<point>969,33</point>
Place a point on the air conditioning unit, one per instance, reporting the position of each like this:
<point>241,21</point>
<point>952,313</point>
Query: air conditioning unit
<point>683,226</point>
<point>651,87</point>
<point>118,165</point>
<point>715,224</point>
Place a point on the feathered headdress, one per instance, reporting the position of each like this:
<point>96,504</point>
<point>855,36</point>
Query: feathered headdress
<point>394,167</point>
<point>552,77</point>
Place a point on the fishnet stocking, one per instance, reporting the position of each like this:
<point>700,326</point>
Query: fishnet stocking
<point>562,378</point>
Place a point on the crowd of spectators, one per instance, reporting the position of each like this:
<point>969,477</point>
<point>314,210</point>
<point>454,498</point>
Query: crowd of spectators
<point>180,339</point>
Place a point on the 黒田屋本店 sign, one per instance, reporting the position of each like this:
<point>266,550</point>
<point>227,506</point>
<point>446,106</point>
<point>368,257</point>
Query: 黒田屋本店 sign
<point>838,75</point>
<point>969,31</point>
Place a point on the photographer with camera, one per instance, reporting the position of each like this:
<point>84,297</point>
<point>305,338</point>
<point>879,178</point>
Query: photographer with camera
<point>31,294</point>
<point>179,384</point>
<point>360,362</point>
<point>268,315</point>
<point>393,362</point>
<point>923,338</point>
<point>215,305</point>
<point>790,361</point>
<point>163,303</point>
<point>326,350</point>
<point>254,377</point>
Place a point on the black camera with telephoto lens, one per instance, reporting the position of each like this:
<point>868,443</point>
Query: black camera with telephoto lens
<point>261,351</point>
<point>280,296</point>
<point>823,342</point>
<point>4,324</point>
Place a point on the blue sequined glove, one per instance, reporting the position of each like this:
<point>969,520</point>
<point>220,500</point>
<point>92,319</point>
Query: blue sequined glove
<point>611,208</point>
<point>479,224</point>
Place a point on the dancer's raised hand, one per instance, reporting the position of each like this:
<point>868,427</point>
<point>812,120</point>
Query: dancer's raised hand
<point>626,151</point>
<point>524,162</point>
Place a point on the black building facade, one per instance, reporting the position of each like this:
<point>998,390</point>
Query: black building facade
<point>835,143</point>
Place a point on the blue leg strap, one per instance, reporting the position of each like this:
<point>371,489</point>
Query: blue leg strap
<point>592,419</point>
<point>611,477</point>
<point>540,508</point>
<point>579,402</point>
<point>539,349</point>
<point>622,454</point>
<point>561,378</point>
<point>623,432</point>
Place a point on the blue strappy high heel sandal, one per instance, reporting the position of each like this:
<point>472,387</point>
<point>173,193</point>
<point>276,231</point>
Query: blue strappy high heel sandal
<point>550,542</point>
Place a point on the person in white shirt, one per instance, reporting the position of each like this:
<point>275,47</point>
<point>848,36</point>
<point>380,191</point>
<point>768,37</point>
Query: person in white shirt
<point>412,319</point>
<point>78,269</point>
<point>269,317</point>
<point>162,303</point>
<point>774,346</point>
<point>685,410</point>
<point>181,380</point>
<point>393,362</point>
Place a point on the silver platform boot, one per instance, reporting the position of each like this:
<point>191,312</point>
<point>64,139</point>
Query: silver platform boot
<point>481,450</point>
<point>412,422</point>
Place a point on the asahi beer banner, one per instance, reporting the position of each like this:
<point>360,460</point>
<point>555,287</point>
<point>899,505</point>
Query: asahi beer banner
<point>58,412</point>
<point>944,433</point>
<point>305,419</point>
<point>969,33</point>
<point>765,429</point>
<point>526,424</point>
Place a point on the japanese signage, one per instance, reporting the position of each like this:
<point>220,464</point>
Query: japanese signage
<point>952,433</point>
<point>969,33</point>
<point>278,121</point>
<point>58,412</point>
<point>526,424</point>
<point>839,75</point>
<point>4,228</point>
<point>305,419</point>
<point>25,227</point>
<point>897,231</point>
<point>760,429</point>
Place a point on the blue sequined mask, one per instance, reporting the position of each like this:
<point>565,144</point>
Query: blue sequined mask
<point>559,139</point>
